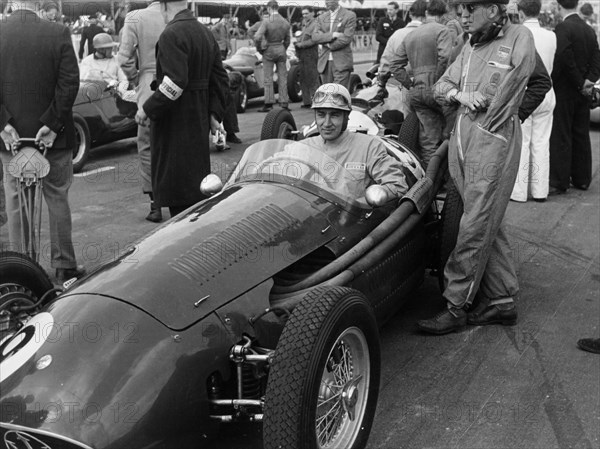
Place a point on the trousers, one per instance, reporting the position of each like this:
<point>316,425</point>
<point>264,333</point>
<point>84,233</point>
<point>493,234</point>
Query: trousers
<point>534,166</point>
<point>483,166</point>
<point>56,194</point>
<point>275,56</point>
<point>143,134</point>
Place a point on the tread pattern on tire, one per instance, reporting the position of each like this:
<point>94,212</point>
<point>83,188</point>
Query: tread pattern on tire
<point>306,320</point>
<point>20,266</point>
<point>273,121</point>
<point>409,132</point>
<point>88,142</point>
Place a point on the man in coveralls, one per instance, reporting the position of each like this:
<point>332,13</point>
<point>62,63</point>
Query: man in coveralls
<point>488,82</point>
<point>364,156</point>
<point>188,102</point>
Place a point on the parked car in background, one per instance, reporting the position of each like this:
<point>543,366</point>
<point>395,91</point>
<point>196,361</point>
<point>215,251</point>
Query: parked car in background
<point>101,116</point>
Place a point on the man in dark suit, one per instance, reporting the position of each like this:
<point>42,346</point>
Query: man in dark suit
<point>388,26</point>
<point>40,78</point>
<point>576,68</point>
<point>276,32</point>
<point>87,35</point>
<point>189,100</point>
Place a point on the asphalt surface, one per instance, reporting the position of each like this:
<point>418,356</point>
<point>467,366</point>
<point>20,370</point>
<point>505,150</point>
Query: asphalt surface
<point>524,386</point>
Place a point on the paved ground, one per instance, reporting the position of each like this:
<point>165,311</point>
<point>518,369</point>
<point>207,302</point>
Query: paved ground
<point>526,386</point>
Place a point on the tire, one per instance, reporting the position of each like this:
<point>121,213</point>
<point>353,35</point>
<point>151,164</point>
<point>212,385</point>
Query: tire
<point>23,282</point>
<point>278,124</point>
<point>449,224</point>
<point>409,132</point>
<point>331,325</point>
<point>81,153</point>
<point>293,84</point>
<point>241,97</point>
<point>354,84</point>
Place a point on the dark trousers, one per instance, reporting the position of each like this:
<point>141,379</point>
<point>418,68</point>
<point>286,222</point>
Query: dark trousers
<point>230,119</point>
<point>570,146</point>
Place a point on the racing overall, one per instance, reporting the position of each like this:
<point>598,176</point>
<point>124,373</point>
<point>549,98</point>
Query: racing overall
<point>483,160</point>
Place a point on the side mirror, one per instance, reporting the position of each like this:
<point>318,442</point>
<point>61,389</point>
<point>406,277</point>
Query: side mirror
<point>376,195</point>
<point>211,185</point>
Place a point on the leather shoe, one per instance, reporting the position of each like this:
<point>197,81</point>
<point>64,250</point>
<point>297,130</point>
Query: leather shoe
<point>493,314</point>
<point>266,108</point>
<point>231,137</point>
<point>581,186</point>
<point>444,322</point>
<point>64,274</point>
<point>556,191</point>
<point>306,106</point>
<point>590,345</point>
<point>155,214</point>
<point>539,200</point>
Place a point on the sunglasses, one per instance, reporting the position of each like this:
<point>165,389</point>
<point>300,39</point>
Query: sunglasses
<point>330,97</point>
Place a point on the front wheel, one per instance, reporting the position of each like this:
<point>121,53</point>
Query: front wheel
<point>22,283</point>
<point>279,124</point>
<point>324,379</point>
<point>83,143</point>
<point>293,83</point>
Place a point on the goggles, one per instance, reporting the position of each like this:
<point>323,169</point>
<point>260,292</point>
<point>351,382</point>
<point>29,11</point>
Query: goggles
<point>330,97</point>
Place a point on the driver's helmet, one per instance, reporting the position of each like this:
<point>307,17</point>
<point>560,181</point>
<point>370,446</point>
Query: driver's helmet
<point>332,96</point>
<point>103,40</point>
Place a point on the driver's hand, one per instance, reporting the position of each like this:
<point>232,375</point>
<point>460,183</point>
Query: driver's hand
<point>141,118</point>
<point>10,137</point>
<point>214,124</point>
<point>45,137</point>
<point>475,101</point>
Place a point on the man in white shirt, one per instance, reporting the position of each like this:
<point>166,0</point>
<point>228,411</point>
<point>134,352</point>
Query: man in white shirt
<point>534,167</point>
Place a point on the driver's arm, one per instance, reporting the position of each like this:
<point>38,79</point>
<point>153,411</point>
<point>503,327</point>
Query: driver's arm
<point>386,170</point>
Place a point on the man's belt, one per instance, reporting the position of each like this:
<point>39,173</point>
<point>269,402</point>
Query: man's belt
<point>274,44</point>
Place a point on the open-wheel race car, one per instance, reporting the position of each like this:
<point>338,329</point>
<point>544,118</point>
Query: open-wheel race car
<point>101,116</point>
<point>259,304</point>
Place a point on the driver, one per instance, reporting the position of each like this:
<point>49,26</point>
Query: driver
<point>102,65</point>
<point>362,155</point>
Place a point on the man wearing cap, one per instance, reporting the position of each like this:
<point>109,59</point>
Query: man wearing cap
<point>187,104</point>
<point>102,65</point>
<point>364,156</point>
<point>276,32</point>
<point>87,35</point>
<point>487,81</point>
<point>534,166</point>
<point>137,58</point>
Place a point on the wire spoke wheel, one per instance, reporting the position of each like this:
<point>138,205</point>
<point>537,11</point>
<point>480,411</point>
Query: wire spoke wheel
<point>343,393</point>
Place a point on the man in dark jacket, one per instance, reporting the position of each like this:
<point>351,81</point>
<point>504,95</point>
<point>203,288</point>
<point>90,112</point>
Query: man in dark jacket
<point>387,26</point>
<point>188,102</point>
<point>87,35</point>
<point>576,68</point>
<point>40,79</point>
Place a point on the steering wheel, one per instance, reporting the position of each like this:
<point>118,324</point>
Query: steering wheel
<point>312,169</point>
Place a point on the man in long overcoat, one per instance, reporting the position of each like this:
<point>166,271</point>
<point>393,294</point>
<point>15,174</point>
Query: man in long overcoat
<point>188,102</point>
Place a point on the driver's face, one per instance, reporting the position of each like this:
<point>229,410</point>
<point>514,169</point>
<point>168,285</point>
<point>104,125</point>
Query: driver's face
<point>330,123</point>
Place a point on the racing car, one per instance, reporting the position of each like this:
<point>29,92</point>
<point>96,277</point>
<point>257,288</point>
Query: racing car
<point>260,304</point>
<point>101,116</point>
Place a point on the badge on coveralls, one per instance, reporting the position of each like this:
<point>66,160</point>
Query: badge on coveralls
<point>355,166</point>
<point>503,53</point>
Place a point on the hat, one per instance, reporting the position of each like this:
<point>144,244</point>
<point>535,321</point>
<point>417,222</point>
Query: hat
<point>103,40</point>
<point>332,96</point>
